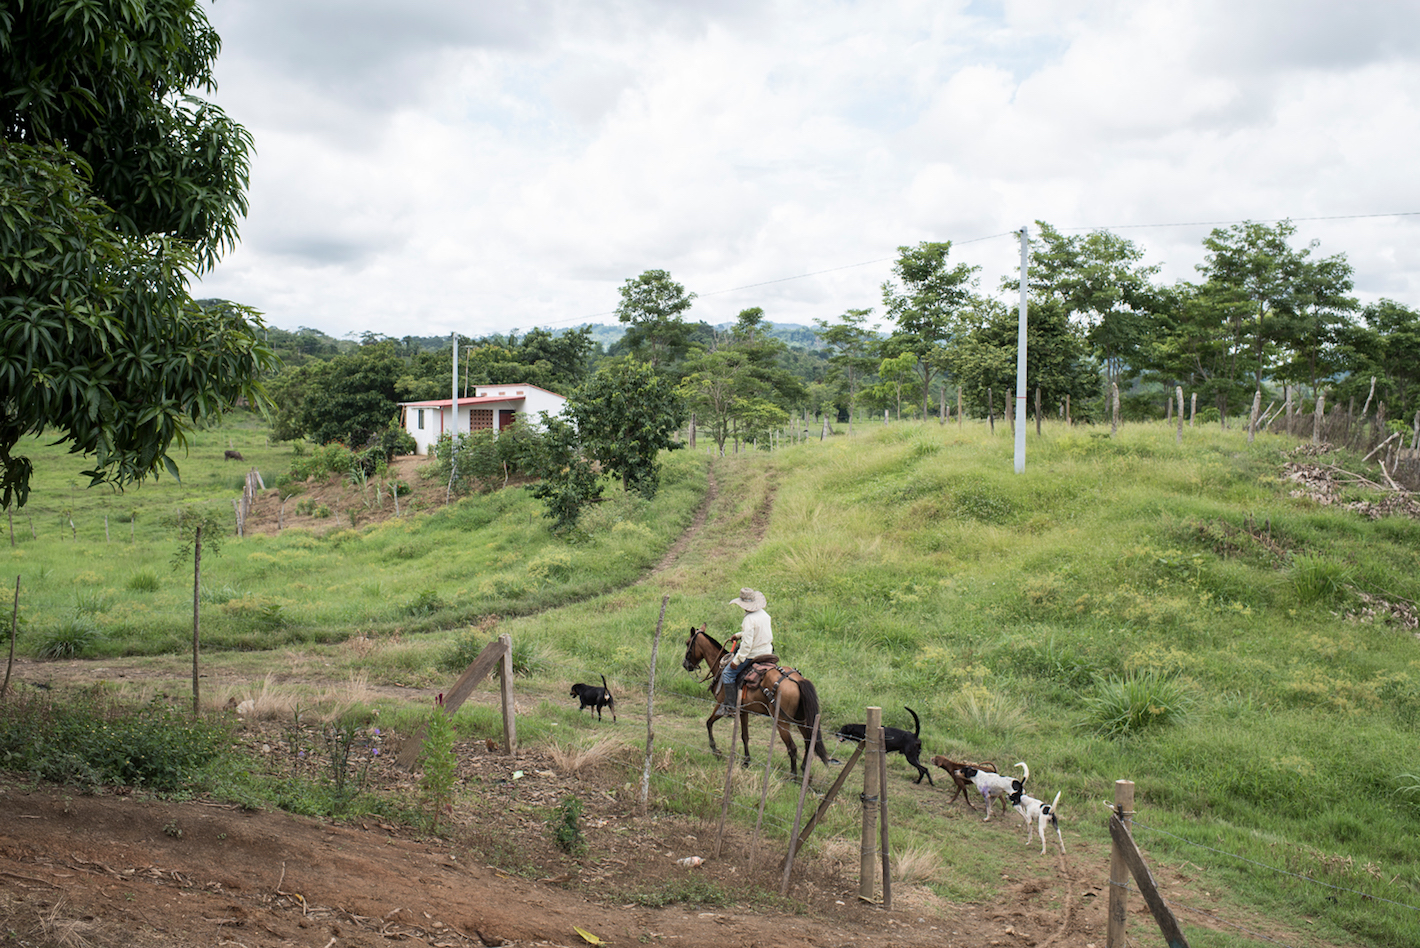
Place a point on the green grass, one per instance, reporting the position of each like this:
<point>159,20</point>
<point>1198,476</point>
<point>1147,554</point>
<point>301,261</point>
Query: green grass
<point>908,565</point>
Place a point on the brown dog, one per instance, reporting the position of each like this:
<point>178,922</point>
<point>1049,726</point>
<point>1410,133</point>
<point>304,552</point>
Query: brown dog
<point>954,768</point>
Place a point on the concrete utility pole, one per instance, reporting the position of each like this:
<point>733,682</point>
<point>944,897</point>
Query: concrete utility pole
<point>454,407</point>
<point>1021,357</point>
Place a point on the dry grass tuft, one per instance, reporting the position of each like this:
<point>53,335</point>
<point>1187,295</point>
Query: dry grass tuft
<point>272,701</point>
<point>916,864</point>
<point>576,759</point>
<point>62,931</point>
<point>992,711</point>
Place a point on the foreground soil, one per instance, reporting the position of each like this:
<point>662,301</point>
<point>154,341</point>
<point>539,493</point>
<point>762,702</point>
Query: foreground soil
<point>125,868</point>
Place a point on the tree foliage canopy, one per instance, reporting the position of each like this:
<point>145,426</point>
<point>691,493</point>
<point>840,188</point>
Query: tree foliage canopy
<point>115,188</point>
<point>624,416</point>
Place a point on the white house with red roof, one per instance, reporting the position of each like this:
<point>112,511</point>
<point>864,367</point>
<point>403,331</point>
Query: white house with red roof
<point>490,408</point>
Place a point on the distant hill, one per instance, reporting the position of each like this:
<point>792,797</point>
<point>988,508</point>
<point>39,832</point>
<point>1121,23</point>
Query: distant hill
<point>793,334</point>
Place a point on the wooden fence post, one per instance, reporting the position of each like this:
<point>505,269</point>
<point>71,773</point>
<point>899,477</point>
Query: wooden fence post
<point>499,649</point>
<point>14,630</point>
<point>868,847</point>
<point>883,811</point>
<point>1253,415</point>
<point>510,726</point>
<point>1114,400</point>
<point>764,790</point>
<point>1118,870</point>
<point>1318,416</point>
<point>1127,851</point>
<point>798,811</point>
<point>650,701</point>
<point>729,774</point>
<point>196,608</point>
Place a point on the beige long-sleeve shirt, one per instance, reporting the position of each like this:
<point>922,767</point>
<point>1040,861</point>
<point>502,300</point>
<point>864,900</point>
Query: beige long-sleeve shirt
<point>756,638</point>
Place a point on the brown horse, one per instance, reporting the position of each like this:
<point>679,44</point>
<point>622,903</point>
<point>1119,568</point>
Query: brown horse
<point>798,699</point>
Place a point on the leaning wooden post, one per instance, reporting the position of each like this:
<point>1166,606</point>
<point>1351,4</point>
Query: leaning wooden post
<point>799,810</point>
<point>196,608</point>
<point>651,700</point>
<point>510,727</point>
<point>1118,868</point>
<point>764,791</point>
<point>14,629</point>
<point>729,775</point>
<point>869,845</point>
<point>882,783</point>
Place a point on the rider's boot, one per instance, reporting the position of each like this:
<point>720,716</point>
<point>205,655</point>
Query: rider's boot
<point>727,702</point>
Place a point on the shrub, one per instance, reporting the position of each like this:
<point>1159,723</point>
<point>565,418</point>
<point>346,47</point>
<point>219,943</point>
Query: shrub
<point>567,830</point>
<point>328,459</point>
<point>85,743</point>
<point>427,602</point>
<point>439,768</point>
<point>1137,702</point>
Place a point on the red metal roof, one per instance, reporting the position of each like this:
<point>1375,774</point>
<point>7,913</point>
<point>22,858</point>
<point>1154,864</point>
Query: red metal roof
<point>481,400</point>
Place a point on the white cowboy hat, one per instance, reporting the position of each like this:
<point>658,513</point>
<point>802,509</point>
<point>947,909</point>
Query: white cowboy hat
<point>751,600</point>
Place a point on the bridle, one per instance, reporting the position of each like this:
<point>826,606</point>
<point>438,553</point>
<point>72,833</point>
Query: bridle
<point>709,665</point>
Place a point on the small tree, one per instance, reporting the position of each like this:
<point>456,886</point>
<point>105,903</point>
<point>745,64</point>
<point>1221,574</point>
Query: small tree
<point>624,416</point>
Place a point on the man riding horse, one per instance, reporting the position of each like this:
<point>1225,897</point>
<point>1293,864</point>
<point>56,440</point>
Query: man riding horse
<point>756,640</point>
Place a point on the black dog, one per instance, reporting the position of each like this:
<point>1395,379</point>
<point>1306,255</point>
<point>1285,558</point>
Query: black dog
<point>908,745</point>
<point>591,696</point>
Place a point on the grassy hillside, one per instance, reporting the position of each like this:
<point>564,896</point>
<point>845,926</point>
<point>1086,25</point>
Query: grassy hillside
<point>1127,608</point>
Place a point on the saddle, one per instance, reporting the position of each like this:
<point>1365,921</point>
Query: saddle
<point>753,677</point>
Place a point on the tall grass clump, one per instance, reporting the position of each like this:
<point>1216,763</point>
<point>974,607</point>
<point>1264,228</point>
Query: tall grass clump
<point>1320,580</point>
<point>1138,702</point>
<point>70,639</point>
<point>143,581</point>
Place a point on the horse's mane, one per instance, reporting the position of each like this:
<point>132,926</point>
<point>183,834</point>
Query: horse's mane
<point>713,641</point>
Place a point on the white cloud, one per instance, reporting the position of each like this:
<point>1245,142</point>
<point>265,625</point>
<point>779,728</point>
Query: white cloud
<point>438,166</point>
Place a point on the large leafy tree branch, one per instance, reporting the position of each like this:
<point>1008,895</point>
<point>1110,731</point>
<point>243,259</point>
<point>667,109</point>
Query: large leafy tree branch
<point>116,188</point>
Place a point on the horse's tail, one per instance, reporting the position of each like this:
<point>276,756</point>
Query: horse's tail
<point>808,710</point>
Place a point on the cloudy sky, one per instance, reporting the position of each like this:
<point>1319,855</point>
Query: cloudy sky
<point>428,166</point>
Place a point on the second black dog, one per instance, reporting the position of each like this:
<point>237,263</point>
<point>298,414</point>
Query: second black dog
<point>907,744</point>
<point>591,696</point>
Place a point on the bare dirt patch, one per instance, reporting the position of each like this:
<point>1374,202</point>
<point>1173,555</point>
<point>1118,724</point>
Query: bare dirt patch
<point>123,868</point>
